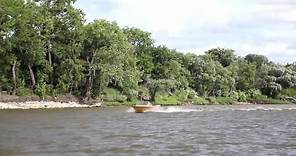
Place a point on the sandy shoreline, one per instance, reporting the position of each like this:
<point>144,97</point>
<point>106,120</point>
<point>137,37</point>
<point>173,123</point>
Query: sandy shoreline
<point>43,104</point>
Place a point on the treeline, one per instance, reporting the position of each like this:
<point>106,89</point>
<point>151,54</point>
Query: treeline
<point>47,49</point>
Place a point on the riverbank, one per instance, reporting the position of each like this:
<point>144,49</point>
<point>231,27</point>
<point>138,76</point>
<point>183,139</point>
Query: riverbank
<point>53,104</point>
<point>69,101</point>
<point>35,102</point>
<point>41,104</point>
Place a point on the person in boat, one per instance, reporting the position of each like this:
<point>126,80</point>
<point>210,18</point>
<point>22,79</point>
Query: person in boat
<point>148,103</point>
<point>145,100</point>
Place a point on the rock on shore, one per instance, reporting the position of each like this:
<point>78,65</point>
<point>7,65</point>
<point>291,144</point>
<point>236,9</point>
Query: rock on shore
<point>42,104</point>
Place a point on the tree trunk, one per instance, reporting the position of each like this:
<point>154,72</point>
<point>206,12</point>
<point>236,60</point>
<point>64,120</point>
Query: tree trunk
<point>86,94</point>
<point>14,78</point>
<point>32,76</point>
<point>153,93</point>
<point>89,87</point>
<point>50,61</point>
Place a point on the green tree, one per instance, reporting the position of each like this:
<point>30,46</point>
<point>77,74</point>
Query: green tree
<point>167,72</point>
<point>108,58</point>
<point>63,37</point>
<point>224,56</point>
<point>142,44</point>
<point>210,78</point>
<point>27,41</point>
<point>246,75</point>
<point>9,12</point>
<point>259,60</point>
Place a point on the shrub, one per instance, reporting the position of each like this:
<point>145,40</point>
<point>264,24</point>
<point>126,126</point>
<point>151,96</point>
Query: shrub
<point>262,99</point>
<point>242,97</point>
<point>120,98</point>
<point>143,91</point>
<point>165,99</point>
<point>291,92</point>
<point>200,101</point>
<point>23,91</point>
<point>41,89</point>
<point>234,95</point>
<point>272,89</point>
<point>182,95</point>
<point>131,94</point>
<point>226,100</point>
<point>212,100</point>
<point>113,95</point>
<point>251,93</point>
<point>191,94</point>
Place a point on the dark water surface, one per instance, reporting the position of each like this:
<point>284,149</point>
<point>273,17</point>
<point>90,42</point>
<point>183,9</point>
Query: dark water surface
<point>203,130</point>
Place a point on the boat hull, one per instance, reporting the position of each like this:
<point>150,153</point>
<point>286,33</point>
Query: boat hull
<point>145,108</point>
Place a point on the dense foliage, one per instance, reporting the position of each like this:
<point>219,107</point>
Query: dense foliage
<point>47,49</point>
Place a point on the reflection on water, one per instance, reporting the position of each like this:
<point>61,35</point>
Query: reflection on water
<point>201,130</point>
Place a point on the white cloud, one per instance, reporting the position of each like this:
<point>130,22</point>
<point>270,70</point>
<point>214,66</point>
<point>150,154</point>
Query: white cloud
<point>263,26</point>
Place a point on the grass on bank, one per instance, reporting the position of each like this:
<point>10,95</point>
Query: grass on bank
<point>113,97</point>
<point>291,92</point>
<point>265,100</point>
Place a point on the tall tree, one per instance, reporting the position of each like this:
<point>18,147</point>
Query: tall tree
<point>27,40</point>
<point>210,78</point>
<point>246,74</point>
<point>108,58</point>
<point>142,44</point>
<point>167,72</point>
<point>224,56</point>
<point>9,13</point>
<point>63,43</point>
<point>259,60</point>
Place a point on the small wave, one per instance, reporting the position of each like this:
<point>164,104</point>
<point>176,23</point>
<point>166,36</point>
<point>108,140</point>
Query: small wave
<point>263,108</point>
<point>172,109</point>
<point>130,110</point>
<point>175,110</point>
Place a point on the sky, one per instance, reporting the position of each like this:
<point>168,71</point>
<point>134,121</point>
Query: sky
<point>266,27</point>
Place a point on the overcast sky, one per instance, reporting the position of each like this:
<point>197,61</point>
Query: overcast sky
<point>265,27</point>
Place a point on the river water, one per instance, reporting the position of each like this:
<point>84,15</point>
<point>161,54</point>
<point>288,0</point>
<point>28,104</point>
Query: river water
<point>203,130</point>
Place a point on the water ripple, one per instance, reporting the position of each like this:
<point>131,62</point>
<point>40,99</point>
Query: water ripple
<point>197,130</point>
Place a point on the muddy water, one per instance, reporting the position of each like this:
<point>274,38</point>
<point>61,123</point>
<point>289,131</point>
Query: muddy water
<point>204,130</point>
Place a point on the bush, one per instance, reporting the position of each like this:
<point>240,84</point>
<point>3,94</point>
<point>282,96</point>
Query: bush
<point>41,89</point>
<point>262,99</point>
<point>242,97</point>
<point>191,94</point>
<point>252,93</point>
<point>22,91</point>
<point>212,100</point>
<point>143,91</point>
<point>131,94</point>
<point>234,95</point>
<point>182,95</point>
<point>200,101</point>
<point>164,99</point>
<point>120,98</point>
<point>238,96</point>
<point>226,100</point>
<point>112,95</point>
<point>272,89</point>
<point>291,92</point>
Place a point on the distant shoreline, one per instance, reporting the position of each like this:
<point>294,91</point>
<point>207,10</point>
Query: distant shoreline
<point>41,104</point>
<point>71,104</point>
<point>70,101</point>
<point>35,102</point>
